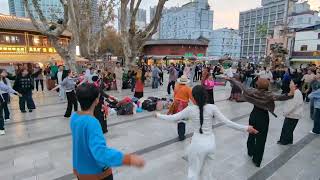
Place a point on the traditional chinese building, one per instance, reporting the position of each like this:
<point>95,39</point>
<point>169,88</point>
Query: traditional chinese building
<point>21,42</point>
<point>176,48</point>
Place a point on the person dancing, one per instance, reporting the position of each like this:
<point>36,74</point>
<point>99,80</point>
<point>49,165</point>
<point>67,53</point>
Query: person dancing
<point>263,102</point>
<point>202,148</point>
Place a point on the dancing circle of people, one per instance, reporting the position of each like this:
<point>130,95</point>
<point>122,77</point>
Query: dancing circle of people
<point>93,159</point>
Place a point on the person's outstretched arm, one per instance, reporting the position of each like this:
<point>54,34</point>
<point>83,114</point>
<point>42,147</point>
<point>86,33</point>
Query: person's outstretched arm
<point>218,114</point>
<point>105,156</point>
<point>175,117</point>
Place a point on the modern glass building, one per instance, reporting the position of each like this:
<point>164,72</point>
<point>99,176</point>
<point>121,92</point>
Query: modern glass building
<point>227,43</point>
<point>52,9</point>
<point>190,21</point>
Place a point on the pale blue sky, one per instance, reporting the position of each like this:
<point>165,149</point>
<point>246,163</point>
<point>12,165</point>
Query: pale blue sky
<point>226,12</point>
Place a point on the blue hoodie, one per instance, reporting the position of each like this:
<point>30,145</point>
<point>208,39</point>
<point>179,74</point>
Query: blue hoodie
<point>315,97</point>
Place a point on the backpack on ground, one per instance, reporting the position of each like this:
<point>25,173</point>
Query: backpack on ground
<point>125,109</point>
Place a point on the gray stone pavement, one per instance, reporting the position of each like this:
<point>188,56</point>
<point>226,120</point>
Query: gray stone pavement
<point>38,145</point>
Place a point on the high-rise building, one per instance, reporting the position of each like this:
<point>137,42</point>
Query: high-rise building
<point>227,43</point>
<point>256,24</point>
<point>190,21</point>
<point>51,9</point>
<point>141,19</point>
<point>302,16</point>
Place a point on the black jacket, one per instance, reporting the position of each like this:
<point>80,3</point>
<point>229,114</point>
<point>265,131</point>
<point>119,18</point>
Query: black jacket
<point>23,84</point>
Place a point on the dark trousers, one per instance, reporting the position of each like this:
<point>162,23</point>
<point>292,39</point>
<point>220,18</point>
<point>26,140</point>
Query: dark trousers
<point>133,84</point>
<point>155,82</point>
<point>6,111</point>
<point>72,101</point>
<point>26,98</point>
<point>195,77</point>
<point>316,121</point>
<point>161,79</point>
<point>287,131</point>
<point>37,84</point>
<point>210,96</point>
<point>1,117</point>
<point>100,116</point>
<point>259,119</point>
<point>171,84</point>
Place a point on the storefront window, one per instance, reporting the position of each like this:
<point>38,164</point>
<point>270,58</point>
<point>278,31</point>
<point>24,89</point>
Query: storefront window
<point>36,40</point>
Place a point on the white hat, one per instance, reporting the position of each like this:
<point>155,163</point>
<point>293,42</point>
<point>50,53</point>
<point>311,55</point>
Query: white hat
<point>183,80</point>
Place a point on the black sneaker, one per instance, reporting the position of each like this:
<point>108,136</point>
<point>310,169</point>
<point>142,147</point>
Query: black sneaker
<point>24,111</point>
<point>30,110</point>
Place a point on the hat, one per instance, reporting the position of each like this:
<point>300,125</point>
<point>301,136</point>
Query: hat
<point>183,80</point>
<point>263,83</point>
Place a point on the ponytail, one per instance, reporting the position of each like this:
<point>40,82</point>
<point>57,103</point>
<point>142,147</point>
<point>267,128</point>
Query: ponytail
<point>200,95</point>
<point>201,118</point>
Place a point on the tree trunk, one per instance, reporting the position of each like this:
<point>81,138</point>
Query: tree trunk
<point>68,53</point>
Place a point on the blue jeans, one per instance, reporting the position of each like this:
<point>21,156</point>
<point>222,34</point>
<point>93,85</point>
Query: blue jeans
<point>155,82</point>
<point>316,119</point>
<point>248,82</point>
<point>26,98</point>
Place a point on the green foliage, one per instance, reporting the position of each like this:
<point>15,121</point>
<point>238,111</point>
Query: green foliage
<point>262,30</point>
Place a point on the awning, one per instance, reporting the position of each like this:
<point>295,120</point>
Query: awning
<point>29,58</point>
<point>304,60</point>
<point>34,58</point>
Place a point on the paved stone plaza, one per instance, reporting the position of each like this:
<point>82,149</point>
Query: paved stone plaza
<point>37,145</point>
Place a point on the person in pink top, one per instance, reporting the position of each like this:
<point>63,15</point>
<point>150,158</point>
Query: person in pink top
<point>209,84</point>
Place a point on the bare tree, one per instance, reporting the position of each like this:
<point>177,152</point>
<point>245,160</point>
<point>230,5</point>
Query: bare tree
<point>79,18</point>
<point>132,37</point>
<point>93,17</point>
<point>54,30</point>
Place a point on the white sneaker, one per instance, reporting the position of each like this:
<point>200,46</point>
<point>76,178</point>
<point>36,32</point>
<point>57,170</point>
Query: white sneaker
<point>2,132</point>
<point>313,132</point>
<point>7,120</point>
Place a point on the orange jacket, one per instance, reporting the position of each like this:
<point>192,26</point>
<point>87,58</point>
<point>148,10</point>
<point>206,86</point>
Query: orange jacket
<point>183,93</point>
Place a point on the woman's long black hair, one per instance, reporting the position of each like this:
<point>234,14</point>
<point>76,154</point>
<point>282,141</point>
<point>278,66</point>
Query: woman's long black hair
<point>200,95</point>
<point>3,78</point>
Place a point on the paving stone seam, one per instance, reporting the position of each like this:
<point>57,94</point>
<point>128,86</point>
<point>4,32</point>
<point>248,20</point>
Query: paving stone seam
<point>269,169</point>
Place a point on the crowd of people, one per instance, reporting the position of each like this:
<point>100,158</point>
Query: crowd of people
<point>191,83</point>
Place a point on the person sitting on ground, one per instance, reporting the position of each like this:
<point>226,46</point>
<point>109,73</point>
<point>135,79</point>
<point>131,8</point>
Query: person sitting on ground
<point>92,158</point>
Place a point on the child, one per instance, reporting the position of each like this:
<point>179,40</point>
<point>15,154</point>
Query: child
<point>139,86</point>
<point>209,84</point>
<point>24,84</point>
<point>293,112</point>
<point>92,159</point>
<point>202,148</point>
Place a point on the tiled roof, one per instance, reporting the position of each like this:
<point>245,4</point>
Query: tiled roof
<point>18,23</point>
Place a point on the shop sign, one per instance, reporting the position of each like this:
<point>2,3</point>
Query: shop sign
<point>316,53</point>
<point>15,49</point>
<point>189,54</point>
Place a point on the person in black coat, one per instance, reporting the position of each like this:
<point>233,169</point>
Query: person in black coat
<point>24,84</point>
<point>98,113</point>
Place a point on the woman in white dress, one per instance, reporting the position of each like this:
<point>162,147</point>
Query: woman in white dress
<point>201,150</point>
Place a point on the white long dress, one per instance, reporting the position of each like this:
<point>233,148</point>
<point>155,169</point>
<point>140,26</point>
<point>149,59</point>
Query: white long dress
<point>201,150</point>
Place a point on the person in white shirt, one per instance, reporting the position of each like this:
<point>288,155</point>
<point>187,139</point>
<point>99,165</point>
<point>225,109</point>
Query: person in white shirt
<point>118,71</point>
<point>229,72</point>
<point>62,93</point>
<point>202,148</point>
<point>265,73</point>
<point>293,112</point>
